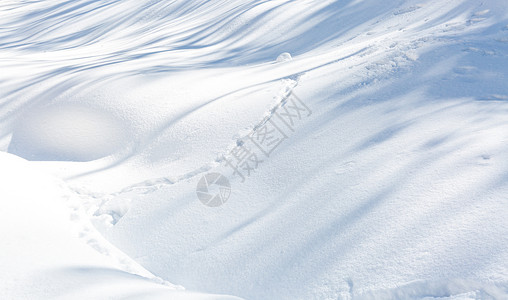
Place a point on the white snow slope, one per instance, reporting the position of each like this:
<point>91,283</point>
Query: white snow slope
<point>392,183</point>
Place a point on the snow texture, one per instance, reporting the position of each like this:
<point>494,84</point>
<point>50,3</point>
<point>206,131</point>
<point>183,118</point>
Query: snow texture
<point>390,182</point>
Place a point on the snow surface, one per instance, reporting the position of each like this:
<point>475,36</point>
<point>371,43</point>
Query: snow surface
<point>51,251</point>
<point>393,185</point>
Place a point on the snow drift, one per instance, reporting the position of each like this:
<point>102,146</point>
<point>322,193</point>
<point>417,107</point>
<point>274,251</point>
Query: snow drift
<point>392,186</point>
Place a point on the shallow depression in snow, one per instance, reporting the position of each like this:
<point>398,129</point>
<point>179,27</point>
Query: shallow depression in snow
<point>68,132</point>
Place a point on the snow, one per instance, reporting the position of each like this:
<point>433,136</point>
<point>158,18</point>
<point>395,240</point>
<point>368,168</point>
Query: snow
<point>391,183</point>
<point>67,132</point>
<point>50,250</point>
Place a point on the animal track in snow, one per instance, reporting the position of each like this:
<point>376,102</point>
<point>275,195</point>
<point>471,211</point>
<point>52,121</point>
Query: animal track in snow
<point>407,10</point>
<point>110,208</point>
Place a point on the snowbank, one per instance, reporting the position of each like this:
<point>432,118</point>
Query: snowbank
<point>49,252</point>
<point>390,184</point>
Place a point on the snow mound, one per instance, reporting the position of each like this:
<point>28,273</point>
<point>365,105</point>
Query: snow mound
<point>51,252</point>
<point>284,57</point>
<point>68,131</point>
